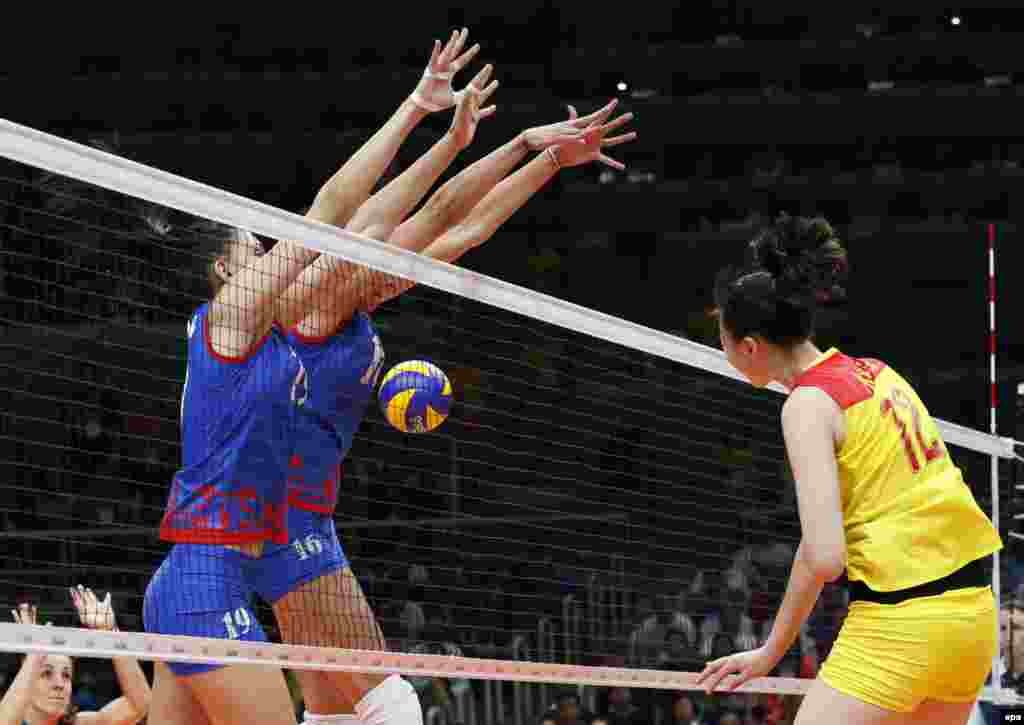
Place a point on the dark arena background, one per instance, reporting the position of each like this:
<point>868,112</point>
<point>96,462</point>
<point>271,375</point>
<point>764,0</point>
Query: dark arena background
<point>585,503</point>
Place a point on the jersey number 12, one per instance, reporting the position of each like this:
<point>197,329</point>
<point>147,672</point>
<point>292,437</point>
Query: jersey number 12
<point>901,406</point>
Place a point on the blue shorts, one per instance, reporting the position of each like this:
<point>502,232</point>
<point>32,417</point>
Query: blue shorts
<point>314,552</point>
<point>201,590</point>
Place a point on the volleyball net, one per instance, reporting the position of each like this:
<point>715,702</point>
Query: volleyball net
<point>606,504</point>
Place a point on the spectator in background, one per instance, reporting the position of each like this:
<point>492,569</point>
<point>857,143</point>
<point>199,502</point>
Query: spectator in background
<point>648,641</point>
<point>682,711</point>
<point>621,710</point>
<point>680,655</point>
<point>1011,643</point>
<point>730,717</point>
<point>567,710</point>
<point>732,619</point>
<point>758,715</point>
<point>1011,624</point>
<point>765,565</point>
<point>679,652</point>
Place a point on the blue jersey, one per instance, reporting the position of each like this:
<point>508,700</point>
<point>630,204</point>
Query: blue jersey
<point>237,427</point>
<point>343,370</point>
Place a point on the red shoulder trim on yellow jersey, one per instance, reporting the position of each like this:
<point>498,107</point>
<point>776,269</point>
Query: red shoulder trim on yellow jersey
<point>847,380</point>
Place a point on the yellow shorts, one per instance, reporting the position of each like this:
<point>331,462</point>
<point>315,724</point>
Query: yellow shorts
<point>932,648</point>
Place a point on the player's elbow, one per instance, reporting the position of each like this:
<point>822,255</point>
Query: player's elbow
<point>827,562</point>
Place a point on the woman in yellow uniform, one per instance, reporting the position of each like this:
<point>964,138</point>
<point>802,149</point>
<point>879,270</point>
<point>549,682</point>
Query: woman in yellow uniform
<point>879,497</point>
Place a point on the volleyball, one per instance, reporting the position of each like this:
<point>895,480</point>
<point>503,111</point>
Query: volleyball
<point>415,396</point>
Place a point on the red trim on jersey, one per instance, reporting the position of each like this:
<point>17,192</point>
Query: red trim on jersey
<point>200,525</point>
<point>229,359</point>
<point>845,379</point>
<point>221,537</point>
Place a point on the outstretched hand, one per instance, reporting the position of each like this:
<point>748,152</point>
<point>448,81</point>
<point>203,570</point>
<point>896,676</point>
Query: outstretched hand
<point>593,140</point>
<point>434,91</point>
<point>563,132</point>
<point>468,112</point>
<point>94,613</point>
<point>25,614</point>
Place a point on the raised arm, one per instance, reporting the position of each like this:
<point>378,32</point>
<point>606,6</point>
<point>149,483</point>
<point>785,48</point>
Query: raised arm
<point>505,199</point>
<point>350,187</point>
<point>15,701</point>
<point>259,290</point>
<point>511,194</point>
<point>133,704</point>
<point>454,201</point>
<point>251,297</point>
<point>389,206</point>
<point>331,290</point>
<point>348,190</point>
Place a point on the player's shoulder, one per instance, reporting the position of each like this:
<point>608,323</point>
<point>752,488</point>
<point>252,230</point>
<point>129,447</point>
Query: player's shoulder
<point>196,320</point>
<point>847,380</point>
<point>808,401</point>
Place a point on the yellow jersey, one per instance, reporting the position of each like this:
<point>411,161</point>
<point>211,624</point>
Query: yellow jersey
<point>908,516</point>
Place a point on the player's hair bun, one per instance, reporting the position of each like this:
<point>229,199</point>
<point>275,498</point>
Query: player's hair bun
<point>805,259</point>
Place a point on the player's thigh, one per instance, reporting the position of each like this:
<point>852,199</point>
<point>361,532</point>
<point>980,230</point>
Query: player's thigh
<point>242,695</point>
<point>329,611</point>
<point>172,703</point>
<point>964,639</point>
<point>825,704</point>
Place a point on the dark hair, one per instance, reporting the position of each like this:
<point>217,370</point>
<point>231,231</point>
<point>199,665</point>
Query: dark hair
<point>204,239</point>
<point>791,268</point>
<point>212,240</point>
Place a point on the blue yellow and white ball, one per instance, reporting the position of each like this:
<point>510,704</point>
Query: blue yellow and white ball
<point>415,396</point>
